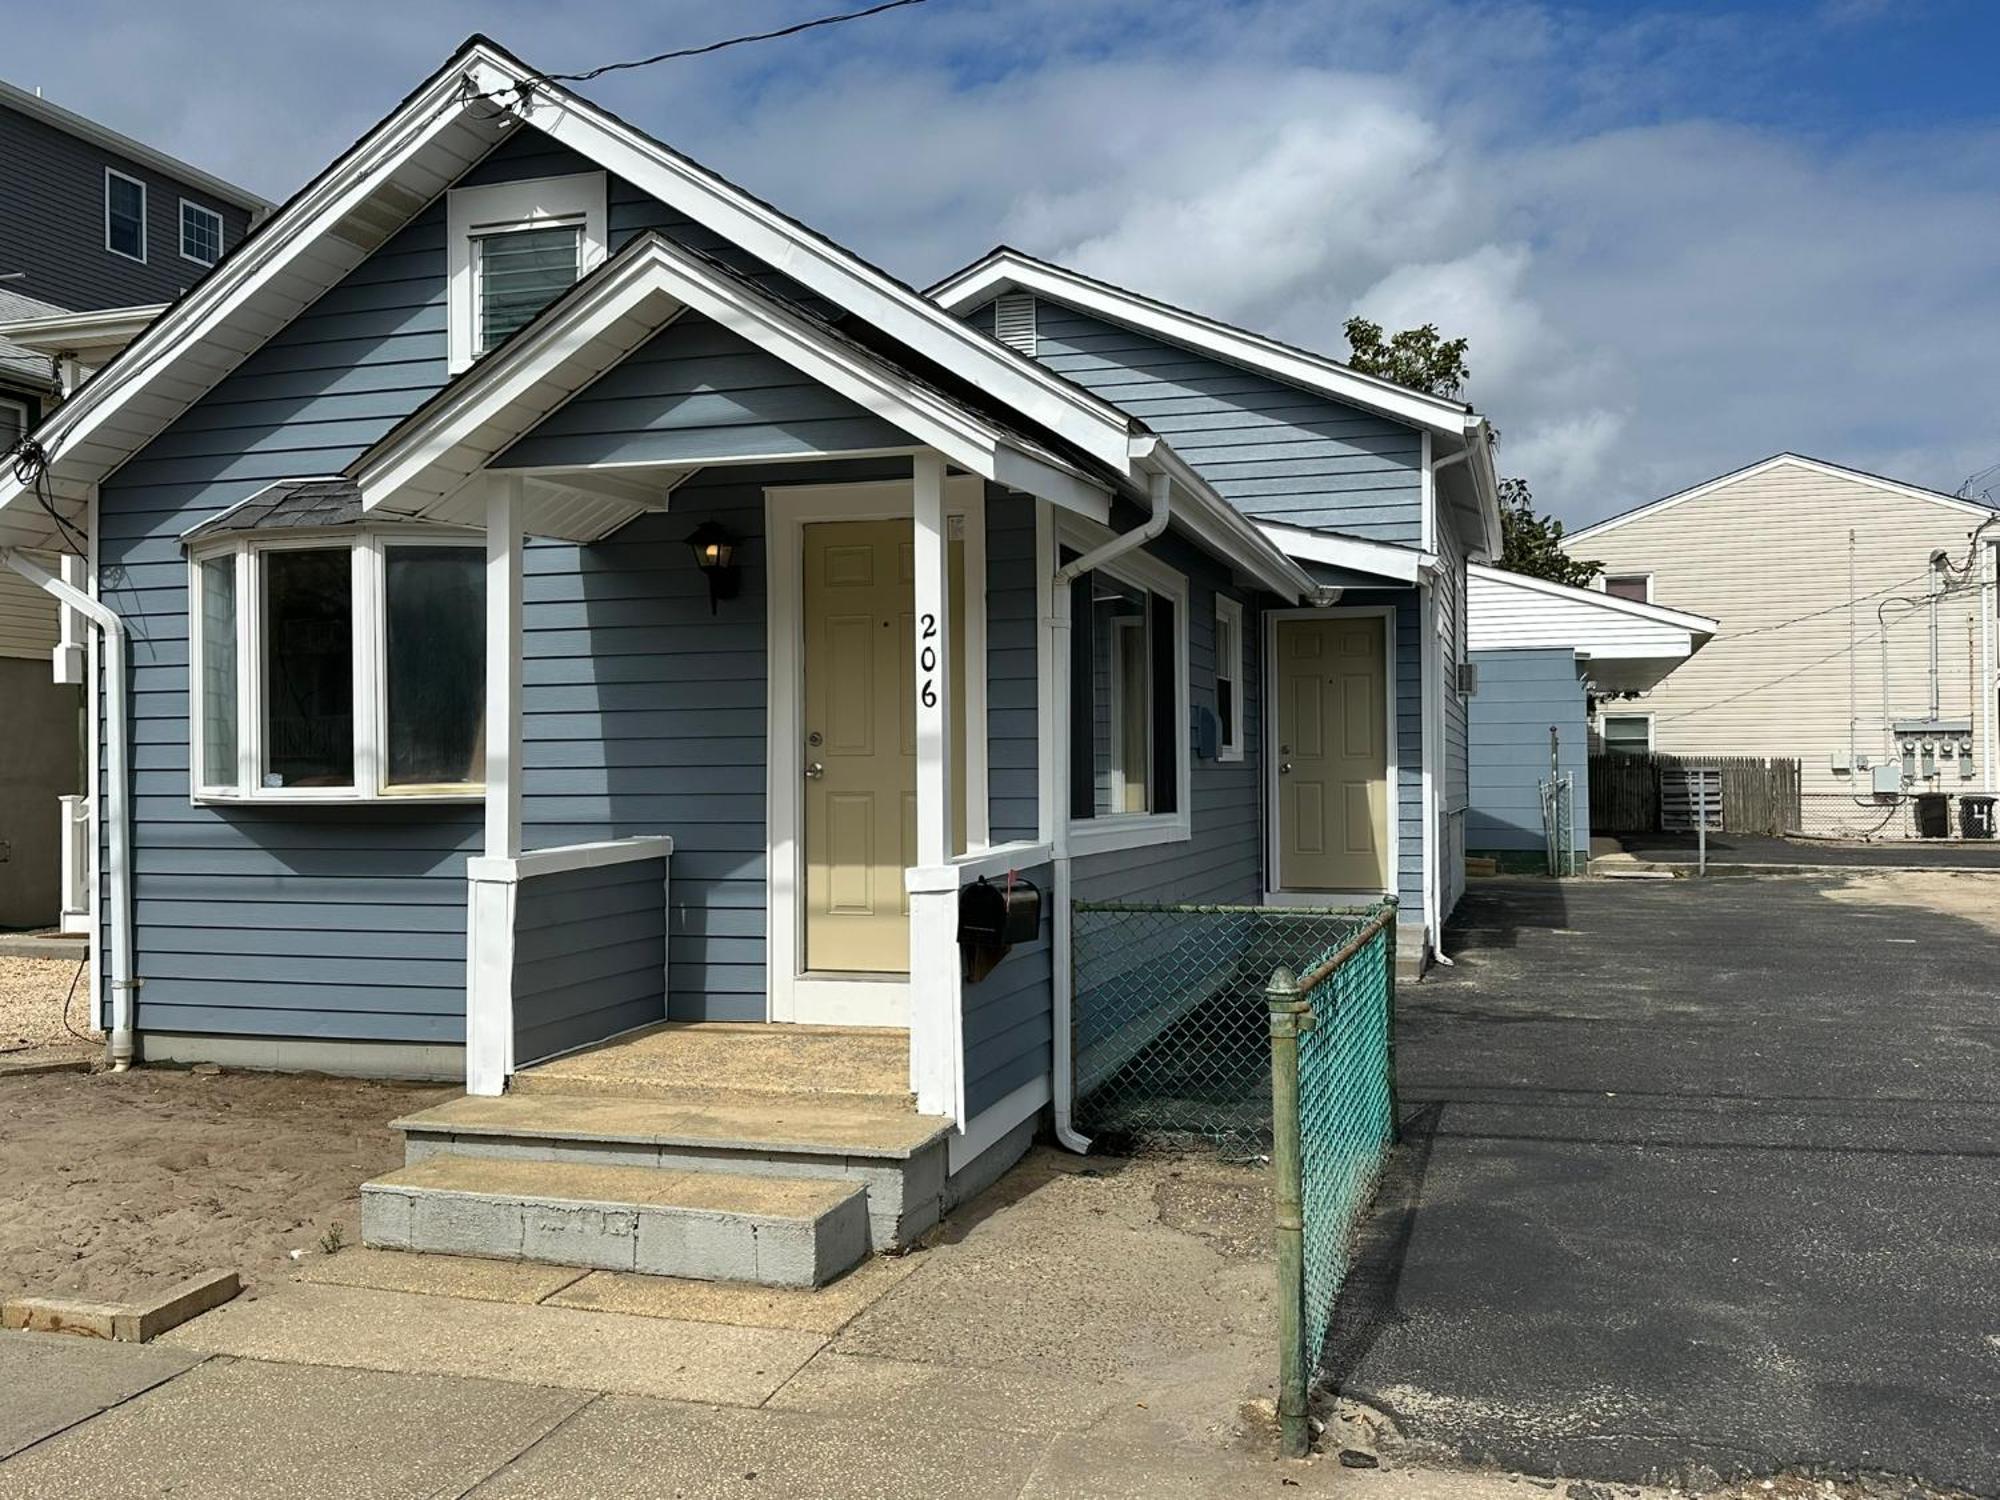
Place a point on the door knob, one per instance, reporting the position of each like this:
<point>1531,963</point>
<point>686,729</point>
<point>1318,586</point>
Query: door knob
<point>1284,768</point>
<point>815,771</point>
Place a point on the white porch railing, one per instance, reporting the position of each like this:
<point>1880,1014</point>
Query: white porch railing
<point>492,899</point>
<point>76,826</point>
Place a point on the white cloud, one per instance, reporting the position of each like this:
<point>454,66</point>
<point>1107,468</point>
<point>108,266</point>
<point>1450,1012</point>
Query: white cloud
<point>1653,296</point>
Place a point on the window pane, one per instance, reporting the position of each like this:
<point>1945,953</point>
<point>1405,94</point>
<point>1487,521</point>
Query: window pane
<point>201,234</point>
<point>125,217</point>
<point>218,672</point>
<point>13,423</point>
<point>309,668</point>
<point>436,665</point>
<point>1226,667</point>
<point>520,273</point>
<point>1632,587</point>
<point>1625,735</point>
<point>1121,736</point>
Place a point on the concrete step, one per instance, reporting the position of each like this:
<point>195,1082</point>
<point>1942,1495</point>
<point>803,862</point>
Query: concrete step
<point>713,1226</point>
<point>895,1153</point>
<point>735,1058</point>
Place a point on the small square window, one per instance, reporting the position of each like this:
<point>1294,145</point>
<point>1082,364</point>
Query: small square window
<point>1627,734</point>
<point>1638,587</point>
<point>201,233</point>
<point>124,215</point>
<point>518,272</point>
<point>513,248</point>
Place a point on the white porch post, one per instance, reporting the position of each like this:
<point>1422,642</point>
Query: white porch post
<point>491,881</point>
<point>936,1066</point>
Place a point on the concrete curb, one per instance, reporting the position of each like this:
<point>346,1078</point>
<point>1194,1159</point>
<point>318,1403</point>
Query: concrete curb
<point>70,948</point>
<point>123,1322</point>
<point>29,1067</point>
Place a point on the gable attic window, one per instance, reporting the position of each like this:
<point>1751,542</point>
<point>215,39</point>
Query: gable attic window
<point>514,247</point>
<point>1129,763</point>
<point>1014,321</point>
<point>340,665</point>
<point>1637,587</point>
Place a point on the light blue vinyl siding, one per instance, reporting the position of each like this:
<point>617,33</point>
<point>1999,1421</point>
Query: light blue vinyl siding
<point>1522,695</point>
<point>1013,788</point>
<point>1450,592</point>
<point>589,956</point>
<point>1274,450</point>
<point>696,390</point>
<point>1009,1014</point>
<point>1223,861</point>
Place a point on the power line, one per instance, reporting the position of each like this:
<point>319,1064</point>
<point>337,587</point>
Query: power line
<point>735,41</point>
<point>1744,635</point>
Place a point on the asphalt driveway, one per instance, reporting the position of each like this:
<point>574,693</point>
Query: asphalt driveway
<point>1702,1175</point>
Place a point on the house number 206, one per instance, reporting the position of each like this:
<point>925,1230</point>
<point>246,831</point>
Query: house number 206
<point>927,661</point>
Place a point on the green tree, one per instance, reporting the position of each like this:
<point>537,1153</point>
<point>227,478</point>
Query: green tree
<point>1420,358</point>
<point>1531,543</point>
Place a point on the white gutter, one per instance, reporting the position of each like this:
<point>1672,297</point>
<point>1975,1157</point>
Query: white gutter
<point>118,864</point>
<point>1159,486</point>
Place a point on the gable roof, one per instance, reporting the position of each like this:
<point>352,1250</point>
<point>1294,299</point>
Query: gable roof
<point>441,129</point>
<point>1784,460</point>
<point>1596,599</point>
<point>421,467</point>
<point>1455,424</point>
<point>71,123</point>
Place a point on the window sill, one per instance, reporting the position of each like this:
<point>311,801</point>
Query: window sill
<point>336,798</point>
<point>1106,835</point>
<point>1230,754</point>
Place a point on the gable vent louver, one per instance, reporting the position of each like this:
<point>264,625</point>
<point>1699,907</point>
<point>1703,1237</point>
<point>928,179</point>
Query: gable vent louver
<point>1014,322</point>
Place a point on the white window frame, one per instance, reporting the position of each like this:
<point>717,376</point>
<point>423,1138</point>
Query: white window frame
<point>15,404</point>
<point>1604,718</point>
<point>537,203</point>
<point>109,173</point>
<point>1102,835</point>
<point>367,553</point>
<point>220,229</point>
<point>1230,611</point>
<point>1604,582</point>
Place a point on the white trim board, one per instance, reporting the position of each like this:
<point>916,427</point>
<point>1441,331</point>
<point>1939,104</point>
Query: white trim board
<point>1276,892</point>
<point>788,509</point>
<point>1783,460</point>
<point>1384,560</point>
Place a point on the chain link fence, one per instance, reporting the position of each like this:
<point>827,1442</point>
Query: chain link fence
<point>1861,818</point>
<point>1333,1086</point>
<point>1169,1025</point>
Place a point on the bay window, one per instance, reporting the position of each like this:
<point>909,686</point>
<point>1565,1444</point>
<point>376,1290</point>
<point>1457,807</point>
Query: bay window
<point>338,668</point>
<point>1129,715</point>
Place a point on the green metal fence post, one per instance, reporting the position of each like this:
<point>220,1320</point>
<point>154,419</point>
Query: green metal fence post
<point>1389,983</point>
<point>1288,1198</point>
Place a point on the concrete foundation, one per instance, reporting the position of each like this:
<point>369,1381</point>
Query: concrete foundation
<point>282,1054</point>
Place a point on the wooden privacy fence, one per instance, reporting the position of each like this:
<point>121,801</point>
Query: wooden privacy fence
<point>1759,795</point>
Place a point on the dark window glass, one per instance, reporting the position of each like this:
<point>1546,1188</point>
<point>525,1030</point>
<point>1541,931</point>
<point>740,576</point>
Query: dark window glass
<point>436,601</point>
<point>1634,588</point>
<point>309,668</point>
<point>125,216</point>
<point>1122,707</point>
<point>520,273</point>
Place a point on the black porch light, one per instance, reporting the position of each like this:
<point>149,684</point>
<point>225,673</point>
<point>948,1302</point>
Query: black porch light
<point>715,554</point>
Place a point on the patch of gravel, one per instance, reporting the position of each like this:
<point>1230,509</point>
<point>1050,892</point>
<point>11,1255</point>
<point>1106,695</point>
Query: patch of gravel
<point>32,993</point>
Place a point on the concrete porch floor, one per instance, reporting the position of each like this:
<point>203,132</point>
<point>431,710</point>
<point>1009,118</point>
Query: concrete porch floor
<point>736,1058</point>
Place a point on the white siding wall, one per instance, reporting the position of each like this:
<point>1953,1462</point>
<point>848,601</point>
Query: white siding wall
<point>27,617</point>
<point>1513,617</point>
<point>1769,548</point>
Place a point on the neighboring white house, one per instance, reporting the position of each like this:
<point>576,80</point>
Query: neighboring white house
<point>1852,629</point>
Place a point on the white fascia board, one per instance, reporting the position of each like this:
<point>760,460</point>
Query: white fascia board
<point>1008,270</point>
<point>1382,560</point>
<point>1094,426</point>
<point>1676,648</point>
<point>1778,461</point>
<point>1659,614</point>
<point>313,215</point>
<point>82,332</point>
<point>651,282</point>
<point>1232,535</point>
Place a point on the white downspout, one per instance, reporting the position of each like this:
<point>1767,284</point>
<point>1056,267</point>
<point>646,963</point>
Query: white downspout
<point>1160,490</point>
<point>1990,557</point>
<point>118,864</point>
<point>1432,718</point>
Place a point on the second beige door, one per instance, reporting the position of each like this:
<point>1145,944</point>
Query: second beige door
<point>860,750</point>
<point>1333,754</point>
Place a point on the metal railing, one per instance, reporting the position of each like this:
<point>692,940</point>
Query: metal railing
<point>1169,1025</point>
<point>1334,1119</point>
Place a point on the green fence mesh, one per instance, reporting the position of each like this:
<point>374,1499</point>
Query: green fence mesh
<point>1170,1029</point>
<point>1346,1119</point>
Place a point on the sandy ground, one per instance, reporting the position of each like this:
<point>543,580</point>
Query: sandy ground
<point>32,993</point>
<point>110,1184</point>
<point>1961,895</point>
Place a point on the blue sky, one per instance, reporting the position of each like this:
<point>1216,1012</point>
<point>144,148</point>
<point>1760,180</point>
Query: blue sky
<point>1679,237</point>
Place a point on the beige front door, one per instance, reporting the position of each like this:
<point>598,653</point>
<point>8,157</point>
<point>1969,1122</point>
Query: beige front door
<point>1333,754</point>
<point>860,741</point>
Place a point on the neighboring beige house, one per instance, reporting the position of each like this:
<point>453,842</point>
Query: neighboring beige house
<point>1821,578</point>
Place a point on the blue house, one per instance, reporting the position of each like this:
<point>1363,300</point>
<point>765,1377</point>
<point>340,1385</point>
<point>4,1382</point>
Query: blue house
<point>562,624</point>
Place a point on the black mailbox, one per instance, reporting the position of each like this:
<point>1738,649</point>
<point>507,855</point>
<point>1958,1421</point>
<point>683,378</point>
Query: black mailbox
<point>992,919</point>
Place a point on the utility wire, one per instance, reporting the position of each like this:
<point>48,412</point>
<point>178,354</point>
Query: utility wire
<point>735,41</point>
<point>1744,635</point>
